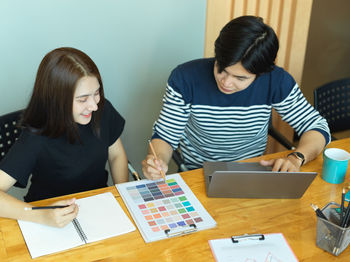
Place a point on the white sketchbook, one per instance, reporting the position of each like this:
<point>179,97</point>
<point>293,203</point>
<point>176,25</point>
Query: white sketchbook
<point>99,217</point>
<point>163,209</point>
<point>249,248</point>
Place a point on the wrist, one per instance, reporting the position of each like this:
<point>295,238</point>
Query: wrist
<point>297,155</point>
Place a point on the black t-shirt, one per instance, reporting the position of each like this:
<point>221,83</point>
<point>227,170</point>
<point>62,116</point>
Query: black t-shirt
<point>60,168</point>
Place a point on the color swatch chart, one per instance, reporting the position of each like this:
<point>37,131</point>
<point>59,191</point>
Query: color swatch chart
<point>160,206</point>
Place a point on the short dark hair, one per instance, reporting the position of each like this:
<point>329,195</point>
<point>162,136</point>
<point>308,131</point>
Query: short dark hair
<point>247,39</point>
<point>50,109</point>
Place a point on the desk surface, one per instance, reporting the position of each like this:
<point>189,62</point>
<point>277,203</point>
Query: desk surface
<point>294,218</point>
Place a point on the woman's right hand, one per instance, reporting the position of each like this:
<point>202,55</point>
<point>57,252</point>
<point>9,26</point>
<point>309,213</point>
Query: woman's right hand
<point>152,167</point>
<point>59,217</point>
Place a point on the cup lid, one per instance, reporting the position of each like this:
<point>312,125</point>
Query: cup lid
<point>337,154</point>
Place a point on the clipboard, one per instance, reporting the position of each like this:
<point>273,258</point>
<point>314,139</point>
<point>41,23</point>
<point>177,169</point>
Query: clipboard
<point>164,209</point>
<point>256,247</point>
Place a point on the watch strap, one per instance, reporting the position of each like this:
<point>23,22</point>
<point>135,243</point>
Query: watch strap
<point>299,156</point>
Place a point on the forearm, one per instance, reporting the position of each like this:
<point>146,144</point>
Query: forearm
<point>118,162</point>
<point>57,217</point>
<point>13,208</point>
<point>311,145</point>
<point>162,149</point>
<point>119,169</point>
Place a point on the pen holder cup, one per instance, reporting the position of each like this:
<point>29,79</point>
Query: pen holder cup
<point>330,236</point>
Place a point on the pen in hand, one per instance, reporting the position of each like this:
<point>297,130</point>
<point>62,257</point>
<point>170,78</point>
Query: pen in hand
<point>45,207</point>
<point>155,157</point>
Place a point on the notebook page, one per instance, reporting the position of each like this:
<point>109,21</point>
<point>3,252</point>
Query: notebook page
<point>102,217</point>
<point>42,240</point>
<point>273,248</point>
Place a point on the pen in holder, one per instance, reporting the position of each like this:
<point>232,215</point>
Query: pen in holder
<point>330,236</point>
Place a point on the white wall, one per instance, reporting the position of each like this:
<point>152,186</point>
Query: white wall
<point>135,44</point>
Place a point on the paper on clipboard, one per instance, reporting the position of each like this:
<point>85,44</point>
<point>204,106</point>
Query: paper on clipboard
<point>273,247</point>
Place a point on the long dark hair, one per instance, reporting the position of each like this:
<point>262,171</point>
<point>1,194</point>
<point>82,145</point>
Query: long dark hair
<point>50,109</point>
<point>247,39</point>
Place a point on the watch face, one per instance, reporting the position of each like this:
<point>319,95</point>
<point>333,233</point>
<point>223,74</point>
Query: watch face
<point>300,155</point>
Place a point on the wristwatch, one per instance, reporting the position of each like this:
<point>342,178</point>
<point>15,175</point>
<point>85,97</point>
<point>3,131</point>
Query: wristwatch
<point>299,156</point>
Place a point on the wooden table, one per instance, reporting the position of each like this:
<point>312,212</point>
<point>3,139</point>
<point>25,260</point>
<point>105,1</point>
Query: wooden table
<point>294,218</point>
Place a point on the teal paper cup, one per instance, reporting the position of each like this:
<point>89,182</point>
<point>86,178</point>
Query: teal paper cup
<point>335,164</point>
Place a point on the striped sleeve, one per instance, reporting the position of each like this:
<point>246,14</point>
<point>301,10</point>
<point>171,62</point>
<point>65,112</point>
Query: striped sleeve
<point>301,115</point>
<point>172,118</point>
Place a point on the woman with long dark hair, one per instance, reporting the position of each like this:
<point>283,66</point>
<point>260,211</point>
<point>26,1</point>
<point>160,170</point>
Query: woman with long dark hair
<point>69,132</point>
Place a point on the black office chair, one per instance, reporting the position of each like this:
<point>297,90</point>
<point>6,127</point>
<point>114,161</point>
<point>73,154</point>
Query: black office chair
<point>9,133</point>
<point>273,132</point>
<point>179,161</point>
<point>332,100</point>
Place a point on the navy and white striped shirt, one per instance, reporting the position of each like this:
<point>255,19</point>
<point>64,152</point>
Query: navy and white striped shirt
<point>209,125</point>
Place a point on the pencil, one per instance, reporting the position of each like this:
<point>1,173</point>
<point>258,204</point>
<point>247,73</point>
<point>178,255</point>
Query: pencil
<point>346,217</point>
<point>344,224</point>
<point>45,207</point>
<point>155,156</point>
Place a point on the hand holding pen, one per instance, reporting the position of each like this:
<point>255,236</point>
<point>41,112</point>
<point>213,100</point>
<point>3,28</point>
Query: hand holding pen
<point>153,167</point>
<point>156,158</point>
<point>59,214</point>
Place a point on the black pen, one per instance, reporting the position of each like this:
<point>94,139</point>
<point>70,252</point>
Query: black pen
<point>342,206</point>
<point>346,218</point>
<point>318,212</point>
<point>45,207</point>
